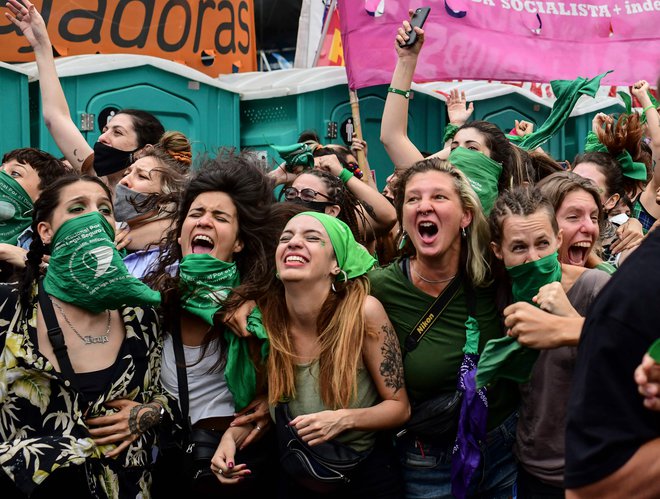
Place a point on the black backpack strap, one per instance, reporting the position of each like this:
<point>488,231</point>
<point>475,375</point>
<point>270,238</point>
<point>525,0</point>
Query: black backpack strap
<point>181,374</point>
<point>56,337</point>
<point>431,315</point>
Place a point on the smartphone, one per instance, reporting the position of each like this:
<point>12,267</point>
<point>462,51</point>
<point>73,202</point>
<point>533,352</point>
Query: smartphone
<point>418,19</point>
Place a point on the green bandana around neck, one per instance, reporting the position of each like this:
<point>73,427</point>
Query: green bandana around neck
<point>297,157</point>
<point>352,257</point>
<point>567,92</point>
<point>629,168</point>
<point>15,209</point>
<point>85,268</point>
<point>505,357</point>
<point>482,172</point>
<point>205,283</point>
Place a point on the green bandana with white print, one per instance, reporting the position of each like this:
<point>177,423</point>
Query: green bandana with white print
<point>15,209</point>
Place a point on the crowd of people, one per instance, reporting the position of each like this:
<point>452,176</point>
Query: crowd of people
<point>216,327</point>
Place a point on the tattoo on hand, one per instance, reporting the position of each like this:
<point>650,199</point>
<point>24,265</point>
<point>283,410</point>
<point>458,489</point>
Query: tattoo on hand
<point>149,418</point>
<point>392,367</point>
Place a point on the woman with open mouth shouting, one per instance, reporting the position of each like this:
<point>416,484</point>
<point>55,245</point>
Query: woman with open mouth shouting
<point>223,235</point>
<point>442,305</point>
<point>551,292</point>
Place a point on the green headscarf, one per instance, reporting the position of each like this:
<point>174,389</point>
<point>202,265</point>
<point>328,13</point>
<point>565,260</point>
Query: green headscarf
<point>15,209</point>
<point>567,92</point>
<point>505,357</point>
<point>352,257</point>
<point>205,283</point>
<point>629,168</point>
<point>482,172</point>
<point>85,268</point>
<point>296,156</point>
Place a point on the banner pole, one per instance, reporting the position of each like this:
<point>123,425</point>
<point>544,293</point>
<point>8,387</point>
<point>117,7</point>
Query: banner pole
<point>357,129</point>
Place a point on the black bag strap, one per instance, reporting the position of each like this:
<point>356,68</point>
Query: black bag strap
<point>181,373</point>
<point>431,315</point>
<point>56,337</point>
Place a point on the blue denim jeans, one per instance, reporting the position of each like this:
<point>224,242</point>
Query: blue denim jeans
<point>427,468</point>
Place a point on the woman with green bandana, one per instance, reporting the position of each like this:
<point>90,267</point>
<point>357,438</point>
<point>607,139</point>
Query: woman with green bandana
<point>550,297</point>
<point>480,141</point>
<point>445,258</point>
<point>80,357</point>
<point>333,357</point>
<point>123,139</point>
<point>24,174</point>
<point>223,236</point>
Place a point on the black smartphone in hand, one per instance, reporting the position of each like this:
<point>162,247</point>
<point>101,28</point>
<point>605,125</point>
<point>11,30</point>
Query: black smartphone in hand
<point>417,20</point>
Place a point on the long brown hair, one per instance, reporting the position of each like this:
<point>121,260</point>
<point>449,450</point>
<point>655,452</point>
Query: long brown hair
<point>341,327</point>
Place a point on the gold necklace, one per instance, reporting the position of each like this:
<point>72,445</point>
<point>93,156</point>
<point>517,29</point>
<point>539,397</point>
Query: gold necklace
<point>430,281</point>
<point>87,340</point>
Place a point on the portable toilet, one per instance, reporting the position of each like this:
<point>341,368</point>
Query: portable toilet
<point>277,106</point>
<point>16,109</point>
<point>184,99</point>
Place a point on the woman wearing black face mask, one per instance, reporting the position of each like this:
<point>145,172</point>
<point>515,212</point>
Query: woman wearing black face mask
<point>145,199</point>
<point>124,137</point>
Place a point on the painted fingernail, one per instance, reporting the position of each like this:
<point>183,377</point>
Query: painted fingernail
<point>230,464</point>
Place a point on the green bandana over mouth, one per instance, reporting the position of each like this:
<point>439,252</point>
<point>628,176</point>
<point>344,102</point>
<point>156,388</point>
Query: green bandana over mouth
<point>505,357</point>
<point>205,282</point>
<point>482,172</point>
<point>352,257</point>
<point>85,268</point>
<point>15,209</point>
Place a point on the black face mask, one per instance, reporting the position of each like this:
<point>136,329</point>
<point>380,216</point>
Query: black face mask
<point>108,160</point>
<point>318,206</point>
<point>127,203</point>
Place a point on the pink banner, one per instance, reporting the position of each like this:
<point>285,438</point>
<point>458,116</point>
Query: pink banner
<point>521,40</point>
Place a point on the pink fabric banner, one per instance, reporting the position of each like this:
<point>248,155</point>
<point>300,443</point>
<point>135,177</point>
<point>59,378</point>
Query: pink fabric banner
<point>521,40</point>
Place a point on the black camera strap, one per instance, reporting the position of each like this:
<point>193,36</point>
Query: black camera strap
<point>181,373</point>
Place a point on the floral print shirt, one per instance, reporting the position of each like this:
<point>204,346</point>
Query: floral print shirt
<point>42,423</point>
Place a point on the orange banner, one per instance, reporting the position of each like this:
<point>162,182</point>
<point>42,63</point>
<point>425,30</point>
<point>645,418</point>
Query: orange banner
<point>216,37</point>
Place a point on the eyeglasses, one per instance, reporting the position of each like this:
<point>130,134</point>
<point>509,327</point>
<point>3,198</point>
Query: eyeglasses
<point>307,194</point>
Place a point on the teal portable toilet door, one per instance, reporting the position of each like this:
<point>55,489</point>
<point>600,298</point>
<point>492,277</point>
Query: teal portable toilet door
<point>174,112</point>
<point>371,115</point>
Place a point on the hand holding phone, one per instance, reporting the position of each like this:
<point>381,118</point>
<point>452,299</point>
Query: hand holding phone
<point>417,19</point>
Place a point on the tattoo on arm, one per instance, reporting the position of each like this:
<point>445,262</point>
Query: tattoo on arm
<point>369,209</point>
<point>391,368</point>
<point>75,155</point>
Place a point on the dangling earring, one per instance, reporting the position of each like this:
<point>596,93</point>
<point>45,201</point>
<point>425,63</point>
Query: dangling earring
<point>463,233</point>
<point>404,239</point>
<point>332,287</point>
<point>277,276</point>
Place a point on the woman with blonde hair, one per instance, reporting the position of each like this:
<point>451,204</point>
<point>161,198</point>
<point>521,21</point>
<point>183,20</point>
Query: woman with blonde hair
<point>334,366</point>
<point>441,301</point>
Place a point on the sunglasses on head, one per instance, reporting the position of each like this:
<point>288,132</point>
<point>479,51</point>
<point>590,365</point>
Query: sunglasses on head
<point>307,194</point>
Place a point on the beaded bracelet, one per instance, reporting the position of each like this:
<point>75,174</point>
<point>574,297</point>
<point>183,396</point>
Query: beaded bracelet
<point>650,106</point>
<point>345,175</point>
<point>405,93</point>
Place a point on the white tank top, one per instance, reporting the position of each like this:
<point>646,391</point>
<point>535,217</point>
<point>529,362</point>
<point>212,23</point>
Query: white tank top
<point>207,391</point>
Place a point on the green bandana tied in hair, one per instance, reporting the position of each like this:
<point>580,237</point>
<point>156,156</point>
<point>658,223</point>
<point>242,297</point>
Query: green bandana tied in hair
<point>205,282</point>
<point>505,357</point>
<point>352,257</point>
<point>85,268</point>
<point>482,172</point>
<point>15,209</point>
<point>567,92</point>
<point>298,157</point>
<point>629,168</point>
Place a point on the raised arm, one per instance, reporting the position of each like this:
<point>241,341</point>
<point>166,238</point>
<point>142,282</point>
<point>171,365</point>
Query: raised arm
<point>56,113</point>
<point>640,90</point>
<point>394,125</point>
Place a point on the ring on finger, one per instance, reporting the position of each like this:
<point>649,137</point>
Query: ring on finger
<point>257,427</point>
<point>219,471</point>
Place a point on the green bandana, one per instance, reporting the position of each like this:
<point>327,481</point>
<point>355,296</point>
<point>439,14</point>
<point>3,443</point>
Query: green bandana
<point>352,257</point>
<point>85,268</point>
<point>15,209</point>
<point>298,157</point>
<point>505,357</point>
<point>629,168</point>
<point>567,92</point>
<point>627,102</point>
<point>205,283</point>
<point>482,172</point>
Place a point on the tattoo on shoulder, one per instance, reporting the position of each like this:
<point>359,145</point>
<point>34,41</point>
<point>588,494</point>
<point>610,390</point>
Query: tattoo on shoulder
<point>392,367</point>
